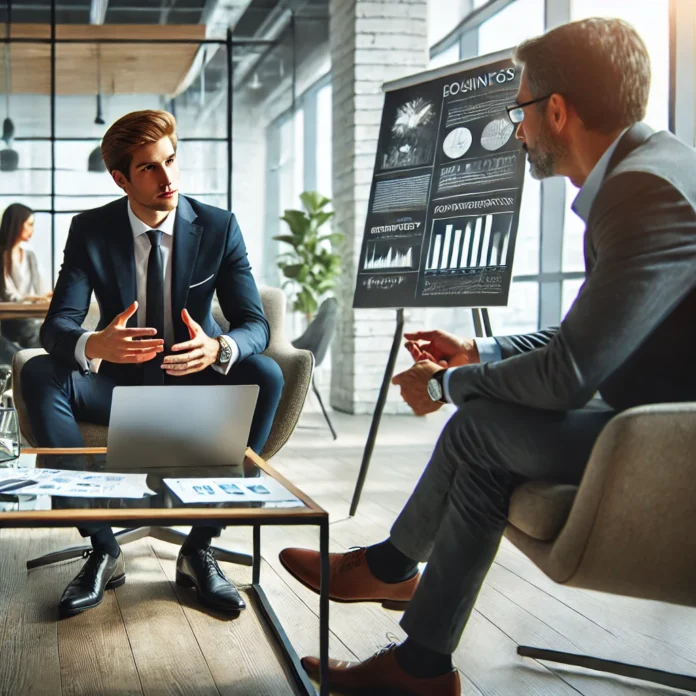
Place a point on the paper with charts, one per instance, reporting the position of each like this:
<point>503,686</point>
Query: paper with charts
<point>72,484</point>
<point>230,490</point>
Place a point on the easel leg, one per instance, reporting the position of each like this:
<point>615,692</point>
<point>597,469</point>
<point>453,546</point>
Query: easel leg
<point>377,415</point>
<point>482,322</point>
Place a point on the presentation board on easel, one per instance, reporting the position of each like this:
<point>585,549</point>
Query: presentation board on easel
<point>444,204</point>
<point>446,191</point>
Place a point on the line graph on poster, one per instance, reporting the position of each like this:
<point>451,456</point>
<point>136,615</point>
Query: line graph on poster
<point>390,256</point>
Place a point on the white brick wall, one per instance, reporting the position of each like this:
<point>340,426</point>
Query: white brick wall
<point>372,42</point>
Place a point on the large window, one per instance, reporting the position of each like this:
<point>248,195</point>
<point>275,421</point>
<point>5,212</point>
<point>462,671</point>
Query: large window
<point>651,20</point>
<point>520,20</point>
<point>298,159</point>
<point>543,292</point>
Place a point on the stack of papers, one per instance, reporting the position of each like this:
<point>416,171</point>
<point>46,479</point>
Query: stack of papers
<point>230,490</point>
<point>74,484</point>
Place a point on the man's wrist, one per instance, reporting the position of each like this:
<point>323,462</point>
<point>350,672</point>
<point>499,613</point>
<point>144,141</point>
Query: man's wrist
<point>92,346</point>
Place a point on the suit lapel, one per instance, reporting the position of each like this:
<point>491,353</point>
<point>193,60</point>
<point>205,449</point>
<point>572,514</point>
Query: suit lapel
<point>187,239</point>
<point>122,257</point>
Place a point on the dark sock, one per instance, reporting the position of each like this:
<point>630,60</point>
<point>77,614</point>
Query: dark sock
<point>198,538</point>
<point>421,662</point>
<point>104,541</point>
<point>388,564</point>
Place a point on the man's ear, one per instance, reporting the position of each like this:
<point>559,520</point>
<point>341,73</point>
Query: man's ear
<point>120,180</point>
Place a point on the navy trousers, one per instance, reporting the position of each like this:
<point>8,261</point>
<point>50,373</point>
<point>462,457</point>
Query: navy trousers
<point>57,396</point>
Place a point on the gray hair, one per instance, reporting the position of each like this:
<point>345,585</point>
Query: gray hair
<point>601,67</point>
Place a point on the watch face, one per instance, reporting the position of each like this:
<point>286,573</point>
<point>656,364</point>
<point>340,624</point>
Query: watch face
<point>435,390</point>
<point>225,353</point>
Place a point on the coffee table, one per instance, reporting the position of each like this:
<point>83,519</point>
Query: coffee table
<point>165,508</point>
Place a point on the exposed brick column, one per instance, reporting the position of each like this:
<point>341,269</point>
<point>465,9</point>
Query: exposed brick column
<point>372,42</point>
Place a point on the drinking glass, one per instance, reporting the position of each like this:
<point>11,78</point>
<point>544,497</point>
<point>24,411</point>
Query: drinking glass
<point>9,435</point>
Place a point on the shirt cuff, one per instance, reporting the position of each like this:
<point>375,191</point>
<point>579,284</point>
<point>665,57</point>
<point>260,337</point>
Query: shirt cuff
<point>489,349</point>
<point>85,364</point>
<point>234,348</point>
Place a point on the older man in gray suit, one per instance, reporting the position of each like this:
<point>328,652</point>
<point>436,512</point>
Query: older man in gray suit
<point>523,401</point>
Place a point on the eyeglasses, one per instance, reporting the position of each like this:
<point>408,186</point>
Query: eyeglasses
<point>516,112</point>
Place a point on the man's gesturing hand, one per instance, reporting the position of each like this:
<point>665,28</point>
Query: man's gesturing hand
<point>443,348</point>
<point>118,344</point>
<point>194,355</point>
<point>414,387</point>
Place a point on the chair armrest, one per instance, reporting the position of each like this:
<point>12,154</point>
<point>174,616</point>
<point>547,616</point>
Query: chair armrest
<point>632,528</point>
<point>297,367</point>
<point>18,362</point>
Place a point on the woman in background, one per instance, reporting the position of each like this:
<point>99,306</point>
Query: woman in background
<point>20,280</point>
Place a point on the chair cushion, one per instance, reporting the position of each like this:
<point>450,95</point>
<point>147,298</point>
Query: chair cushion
<point>541,509</point>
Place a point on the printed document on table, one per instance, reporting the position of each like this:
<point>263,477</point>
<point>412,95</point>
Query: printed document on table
<point>74,484</point>
<point>230,490</point>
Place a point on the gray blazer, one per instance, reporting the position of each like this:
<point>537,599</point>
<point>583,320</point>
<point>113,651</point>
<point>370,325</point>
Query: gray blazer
<point>631,332</point>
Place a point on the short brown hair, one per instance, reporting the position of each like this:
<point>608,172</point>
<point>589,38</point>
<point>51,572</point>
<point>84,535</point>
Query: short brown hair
<point>601,66</point>
<point>132,131</point>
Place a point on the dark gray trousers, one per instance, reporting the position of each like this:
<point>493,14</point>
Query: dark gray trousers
<point>456,515</point>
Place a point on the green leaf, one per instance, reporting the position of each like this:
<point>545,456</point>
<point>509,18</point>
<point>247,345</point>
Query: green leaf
<point>298,222</point>
<point>334,238</point>
<point>320,219</point>
<point>292,271</point>
<point>288,239</point>
<point>313,201</point>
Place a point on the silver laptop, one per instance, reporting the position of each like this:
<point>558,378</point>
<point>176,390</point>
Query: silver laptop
<point>175,428</point>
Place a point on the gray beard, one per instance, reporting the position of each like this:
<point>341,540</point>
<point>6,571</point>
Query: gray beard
<point>542,167</point>
<point>547,155</point>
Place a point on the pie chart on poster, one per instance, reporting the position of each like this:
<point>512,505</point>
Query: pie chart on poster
<point>496,134</point>
<point>457,143</point>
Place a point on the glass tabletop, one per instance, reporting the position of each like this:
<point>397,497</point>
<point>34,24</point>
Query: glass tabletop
<point>62,487</point>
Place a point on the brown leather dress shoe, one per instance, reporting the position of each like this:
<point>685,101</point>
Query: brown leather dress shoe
<point>350,579</point>
<point>381,674</point>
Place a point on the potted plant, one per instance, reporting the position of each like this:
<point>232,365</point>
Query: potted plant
<point>311,268</point>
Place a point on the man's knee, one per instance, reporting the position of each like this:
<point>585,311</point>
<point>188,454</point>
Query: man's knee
<point>264,372</point>
<point>38,373</point>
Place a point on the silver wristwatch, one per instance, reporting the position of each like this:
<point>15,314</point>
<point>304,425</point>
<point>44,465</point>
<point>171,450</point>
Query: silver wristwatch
<point>436,389</point>
<point>225,354</point>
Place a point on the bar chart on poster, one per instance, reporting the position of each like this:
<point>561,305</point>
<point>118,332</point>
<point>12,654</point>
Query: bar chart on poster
<point>446,191</point>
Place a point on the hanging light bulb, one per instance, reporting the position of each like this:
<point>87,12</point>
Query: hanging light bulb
<point>95,163</point>
<point>9,158</point>
<point>255,82</point>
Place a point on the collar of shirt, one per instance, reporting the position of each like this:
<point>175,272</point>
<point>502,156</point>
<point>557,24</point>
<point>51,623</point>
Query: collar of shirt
<point>582,205</point>
<point>139,227</point>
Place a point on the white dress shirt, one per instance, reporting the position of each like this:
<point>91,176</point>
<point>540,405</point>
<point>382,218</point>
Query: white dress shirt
<point>141,254</point>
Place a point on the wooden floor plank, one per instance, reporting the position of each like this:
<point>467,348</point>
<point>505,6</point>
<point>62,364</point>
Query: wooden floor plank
<point>14,544</point>
<point>238,652</point>
<point>29,661</point>
<point>95,653</point>
<point>166,652</point>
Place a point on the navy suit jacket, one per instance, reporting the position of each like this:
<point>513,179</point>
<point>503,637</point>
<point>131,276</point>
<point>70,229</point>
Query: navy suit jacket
<point>98,257</point>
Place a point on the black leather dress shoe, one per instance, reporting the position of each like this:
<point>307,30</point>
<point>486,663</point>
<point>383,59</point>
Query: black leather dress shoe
<point>101,572</point>
<point>200,570</point>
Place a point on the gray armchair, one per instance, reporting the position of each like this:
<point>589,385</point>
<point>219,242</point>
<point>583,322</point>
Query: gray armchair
<point>628,529</point>
<point>297,366</point>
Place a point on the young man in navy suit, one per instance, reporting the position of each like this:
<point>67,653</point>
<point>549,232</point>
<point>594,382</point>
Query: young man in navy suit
<point>154,260</point>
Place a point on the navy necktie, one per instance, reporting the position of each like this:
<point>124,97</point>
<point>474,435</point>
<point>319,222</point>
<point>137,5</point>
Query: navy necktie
<point>154,313</point>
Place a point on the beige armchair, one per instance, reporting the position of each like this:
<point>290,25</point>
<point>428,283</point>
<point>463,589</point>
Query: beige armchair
<point>297,367</point>
<point>628,529</point>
